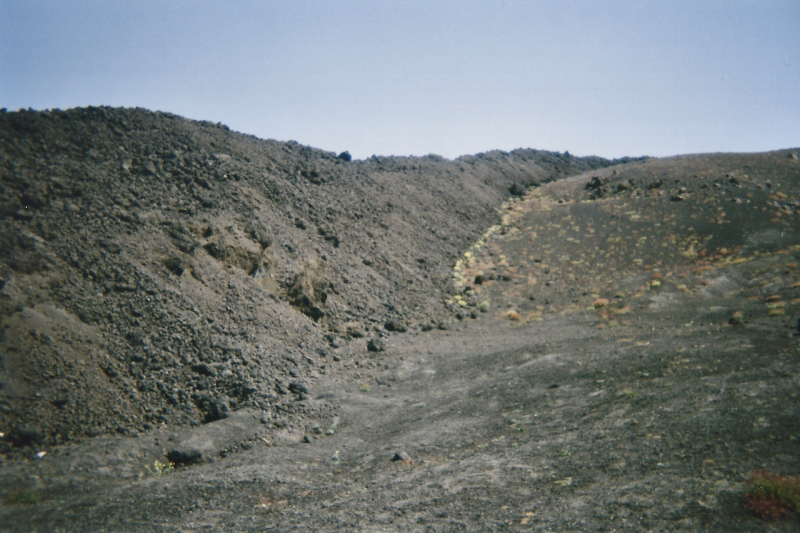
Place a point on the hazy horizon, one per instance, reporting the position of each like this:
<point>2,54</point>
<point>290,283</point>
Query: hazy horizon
<point>620,78</point>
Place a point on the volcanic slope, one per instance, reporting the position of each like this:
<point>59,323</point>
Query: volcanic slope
<point>156,270</point>
<point>606,383</point>
<point>622,236</point>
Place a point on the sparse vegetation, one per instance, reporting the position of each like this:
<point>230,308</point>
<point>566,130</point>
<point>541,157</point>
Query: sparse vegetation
<point>772,496</point>
<point>627,394</point>
<point>159,469</point>
<point>737,319</point>
<point>511,315</point>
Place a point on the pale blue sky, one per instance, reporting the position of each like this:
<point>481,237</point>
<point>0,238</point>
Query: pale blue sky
<point>407,77</point>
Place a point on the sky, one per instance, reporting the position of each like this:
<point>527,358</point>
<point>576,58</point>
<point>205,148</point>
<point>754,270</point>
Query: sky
<point>411,77</point>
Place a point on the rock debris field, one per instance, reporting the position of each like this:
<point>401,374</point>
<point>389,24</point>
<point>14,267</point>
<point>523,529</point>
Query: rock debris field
<point>205,331</point>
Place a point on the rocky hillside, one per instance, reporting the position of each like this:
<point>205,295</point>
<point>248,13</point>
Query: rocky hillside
<point>156,270</point>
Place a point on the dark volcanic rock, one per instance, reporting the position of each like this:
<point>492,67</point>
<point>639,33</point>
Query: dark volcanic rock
<point>597,187</point>
<point>184,456</point>
<point>27,435</point>
<point>516,190</point>
<point>396,325</point>
<point>180,258</point>
<point>402,457</point>
<point>376,345</point>
<point>298,387</point>
<point>211,408</point>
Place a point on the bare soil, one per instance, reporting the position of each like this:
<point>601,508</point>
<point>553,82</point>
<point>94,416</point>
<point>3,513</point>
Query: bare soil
<point>618,351</point>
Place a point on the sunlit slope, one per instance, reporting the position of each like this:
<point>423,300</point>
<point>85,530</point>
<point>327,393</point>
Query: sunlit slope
<point>604,239</point>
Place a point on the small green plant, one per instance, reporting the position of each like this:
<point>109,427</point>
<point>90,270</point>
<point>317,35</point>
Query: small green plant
<point>159,469</point>
<point>628,393</point>
<point>772,496</point>
<point>24,497</point>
